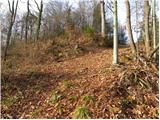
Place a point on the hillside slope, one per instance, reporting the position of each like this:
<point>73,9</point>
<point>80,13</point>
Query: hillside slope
<point>84,86</point>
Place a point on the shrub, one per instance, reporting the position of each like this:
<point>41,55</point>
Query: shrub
<point>88,31</point>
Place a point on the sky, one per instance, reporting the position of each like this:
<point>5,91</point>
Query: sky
<point>22,8</point>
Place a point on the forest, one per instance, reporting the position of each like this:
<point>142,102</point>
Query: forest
<point>79,59</point>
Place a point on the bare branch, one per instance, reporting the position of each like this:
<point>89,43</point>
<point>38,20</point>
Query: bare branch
<point>9,6</point>
<point>15,12</point>
<point>13,6</point>
<point>37,5</point>
<point>110,5</point>
<point>109,8</point>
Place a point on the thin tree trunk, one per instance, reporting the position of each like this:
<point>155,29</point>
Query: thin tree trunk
<point>8,40</point>
<point>130,35</point>
<point>31,31</point>
<point>26,27</point>
<point>22,28</point>
<point>102,19</point>
<point>154,25</point>
<point>115,41</point>
<point>39,18</point>
<point>146,20</point>
<point>137,44</point>
<point>13,12</point>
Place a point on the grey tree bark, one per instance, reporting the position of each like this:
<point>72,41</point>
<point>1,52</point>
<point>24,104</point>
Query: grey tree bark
<point>13,12</point>
<point>115,41</point>
<point>26,25</point>
<point>40,8</point>
<point>102,19</point>
<point>128,25</point>
<point>146,22</point>
<point>22,29</point>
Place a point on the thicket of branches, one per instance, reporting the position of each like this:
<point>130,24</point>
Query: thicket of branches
<point>58,17</point>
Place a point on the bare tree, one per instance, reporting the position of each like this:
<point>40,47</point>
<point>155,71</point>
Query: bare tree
<point>128,25</point>
<point>146,20</point>
<point>32,22</point>
<point>115,41</point>
<point>22,29</point>
<point>102,19</point>
<point>96,16</point>
<point>54,18</point>
<point>40,8</point>
<point>13,12</point>
<point>26,21</point>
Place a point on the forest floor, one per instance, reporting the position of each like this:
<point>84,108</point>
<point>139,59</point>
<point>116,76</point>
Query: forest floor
<point>83,86</point>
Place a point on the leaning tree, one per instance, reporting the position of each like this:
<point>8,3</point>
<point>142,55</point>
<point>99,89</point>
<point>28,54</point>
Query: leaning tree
<point>13,12</point>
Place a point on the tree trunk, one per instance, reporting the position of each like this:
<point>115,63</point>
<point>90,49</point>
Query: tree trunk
<point>115,41</point>
<point>146,20</point>
<point>8,40</point>
<point>102,19</point>
<point>26,27</point>
<point>137,44</point>
<point>31,31</point>
<point>39,19</point>
<point>13,11</point>
<point>22,28</point>
<point>154,25</point>
<point>128,25</point>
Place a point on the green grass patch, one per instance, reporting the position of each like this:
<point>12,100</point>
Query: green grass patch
<point>9,101</point>
<point>67,84</point>
<point>81,113</point>
<point>37,111</point>
<point>88,98</point>
<point>73,98</point>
